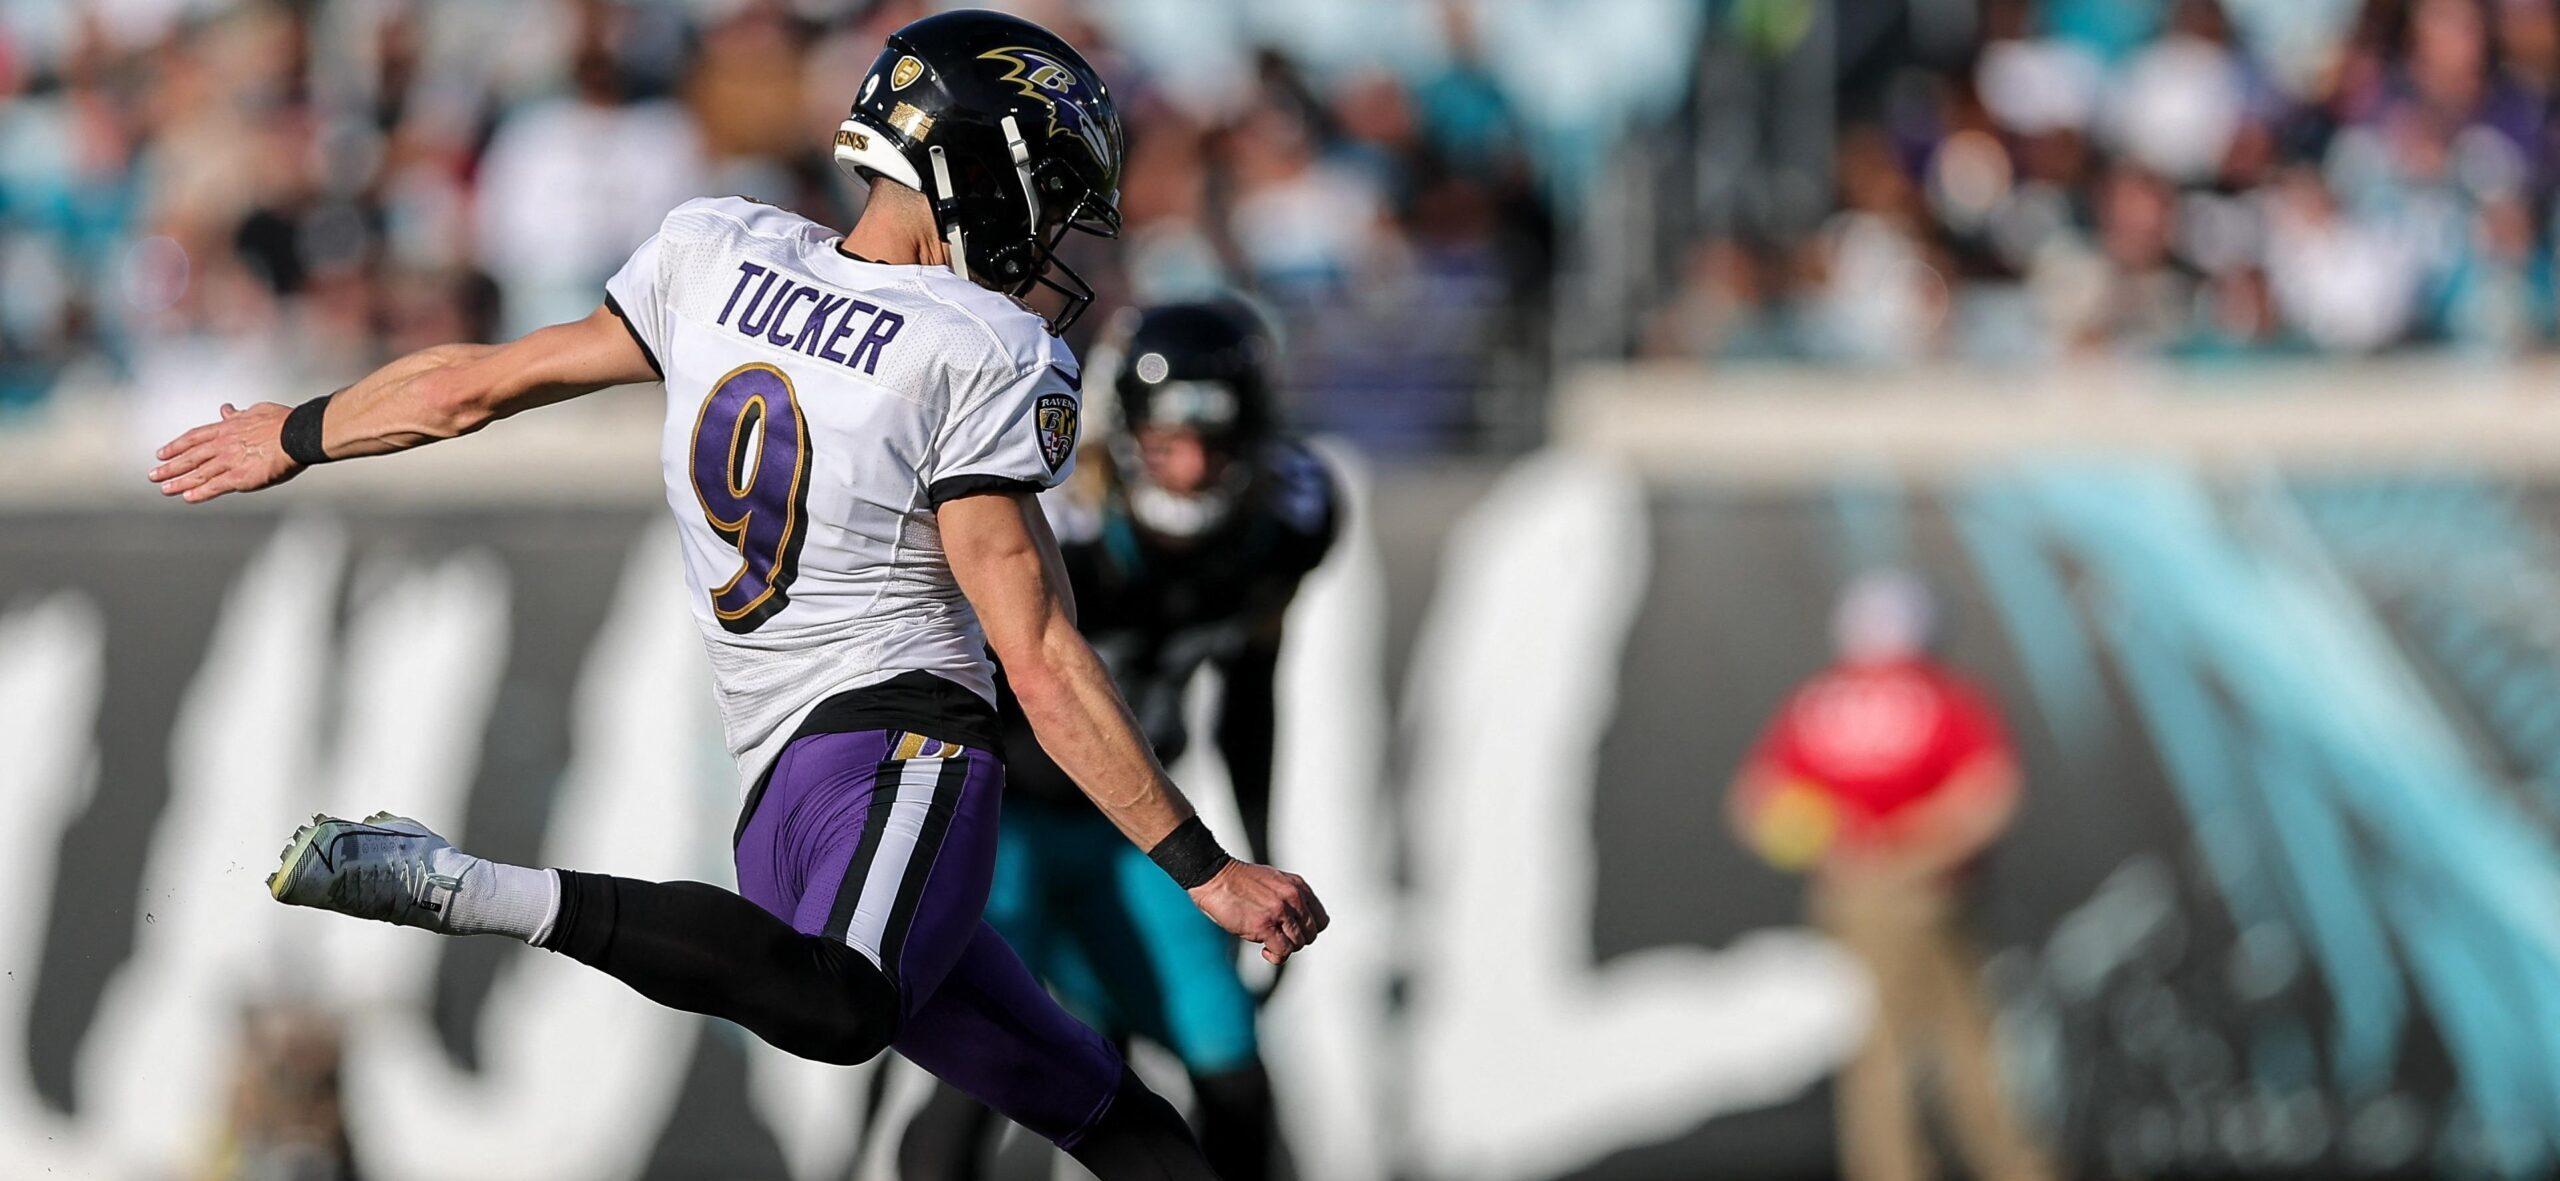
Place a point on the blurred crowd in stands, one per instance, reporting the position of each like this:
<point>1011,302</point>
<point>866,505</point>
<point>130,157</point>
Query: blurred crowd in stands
<point>256,200</point>
<point>2180,178</point>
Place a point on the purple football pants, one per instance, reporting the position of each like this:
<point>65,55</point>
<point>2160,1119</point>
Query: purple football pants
<point>887,840</point>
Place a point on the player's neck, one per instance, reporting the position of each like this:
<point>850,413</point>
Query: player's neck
<point>890,236</point>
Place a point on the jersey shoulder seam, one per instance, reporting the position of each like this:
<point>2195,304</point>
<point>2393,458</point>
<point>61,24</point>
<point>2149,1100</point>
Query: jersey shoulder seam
<point>1013,368</point>
<point>1013,373</point>
<point>708,205</point>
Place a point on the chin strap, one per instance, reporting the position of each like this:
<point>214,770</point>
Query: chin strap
<point>945,198</point>
<point>1021,151</point>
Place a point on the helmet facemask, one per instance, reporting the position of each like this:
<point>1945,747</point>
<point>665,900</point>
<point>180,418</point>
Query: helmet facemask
<point>1052,272</point>
<point>1092,212</point>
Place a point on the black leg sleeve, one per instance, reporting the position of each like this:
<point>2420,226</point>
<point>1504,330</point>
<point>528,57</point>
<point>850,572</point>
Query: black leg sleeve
<point>697,947</point>
<point>1142,1138</point>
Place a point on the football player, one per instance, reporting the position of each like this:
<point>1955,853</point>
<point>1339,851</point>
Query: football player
<point>1185,539</point>
<point>857,427</point>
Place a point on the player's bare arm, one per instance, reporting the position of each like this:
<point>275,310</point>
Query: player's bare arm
<point>433,394</point>
<point>1007,563</point>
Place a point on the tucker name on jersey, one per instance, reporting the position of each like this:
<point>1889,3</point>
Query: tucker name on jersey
<point>819,328</point>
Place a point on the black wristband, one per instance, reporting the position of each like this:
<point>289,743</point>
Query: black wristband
<point>1189,854</point>
<point>302,432</point>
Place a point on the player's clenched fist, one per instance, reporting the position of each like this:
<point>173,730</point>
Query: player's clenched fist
<point>241,453</point>
<point>1272,907</point>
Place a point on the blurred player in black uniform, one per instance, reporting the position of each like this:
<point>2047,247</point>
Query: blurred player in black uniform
<point>1185,543</point>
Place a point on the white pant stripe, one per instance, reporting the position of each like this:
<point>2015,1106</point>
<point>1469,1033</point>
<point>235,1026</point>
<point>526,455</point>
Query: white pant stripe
<point>916,780</point>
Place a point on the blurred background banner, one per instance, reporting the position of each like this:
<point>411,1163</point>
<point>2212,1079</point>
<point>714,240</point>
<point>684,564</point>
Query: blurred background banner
<point>2198,355</point>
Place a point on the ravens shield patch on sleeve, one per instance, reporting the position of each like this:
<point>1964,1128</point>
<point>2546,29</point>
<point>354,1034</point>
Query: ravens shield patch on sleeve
<point>1055,417</point>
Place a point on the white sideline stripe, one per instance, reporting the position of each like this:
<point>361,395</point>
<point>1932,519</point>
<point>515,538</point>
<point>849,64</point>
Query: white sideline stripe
<point>916,780</point>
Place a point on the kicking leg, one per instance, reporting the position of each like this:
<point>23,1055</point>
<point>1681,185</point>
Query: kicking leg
<point>910,894</point>
<point>818,956</point>
<point>683,944</point>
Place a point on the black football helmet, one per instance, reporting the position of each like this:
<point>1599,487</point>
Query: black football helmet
<point>1007,131</point>
<point>1207,367</point>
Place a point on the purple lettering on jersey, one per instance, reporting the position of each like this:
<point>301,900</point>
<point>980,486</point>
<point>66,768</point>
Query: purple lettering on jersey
<point>758,300</point>
<point>807,339</point>
<point>844,328</point>
<point>866,354</point>
<point>753,484</point>
<point>775,330</point>
<point>746,271</point>
<point>758,314</point>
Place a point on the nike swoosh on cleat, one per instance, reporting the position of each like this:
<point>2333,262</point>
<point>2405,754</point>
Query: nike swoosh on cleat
<point>326,852</point>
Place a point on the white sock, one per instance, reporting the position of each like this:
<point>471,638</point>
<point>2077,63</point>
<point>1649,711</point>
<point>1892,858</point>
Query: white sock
<point>499,899</point>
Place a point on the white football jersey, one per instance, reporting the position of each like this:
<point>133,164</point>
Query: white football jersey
<point>819,407</point>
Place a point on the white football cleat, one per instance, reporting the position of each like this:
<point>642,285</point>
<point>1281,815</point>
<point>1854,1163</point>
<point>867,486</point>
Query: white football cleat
<point>384,868</point>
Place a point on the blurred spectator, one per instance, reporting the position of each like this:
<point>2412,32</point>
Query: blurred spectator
<point>1465,108</point>
<point>2348,286</point>
<point>570,185</point>
<point>1305,222</point>
<point>2177,103</point>
<point>1886,776</point>
<point>1877,294</point>
<point>1722,309</point>
<point>287,1118</point>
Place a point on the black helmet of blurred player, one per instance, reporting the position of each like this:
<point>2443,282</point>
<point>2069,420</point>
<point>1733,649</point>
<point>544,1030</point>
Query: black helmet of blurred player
<point>1007,131</point>
<point>1192,393</point>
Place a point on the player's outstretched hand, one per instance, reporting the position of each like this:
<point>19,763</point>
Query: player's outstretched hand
<point>1272,907</point>
<point>242,452</point>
